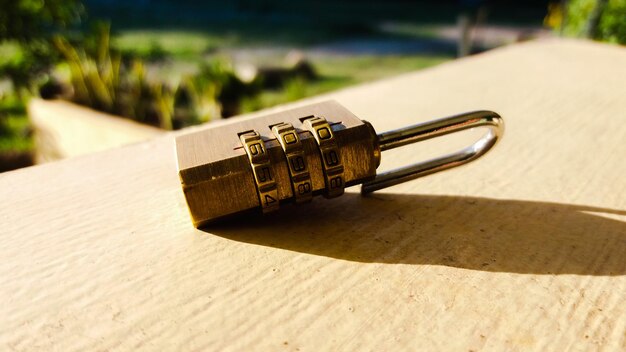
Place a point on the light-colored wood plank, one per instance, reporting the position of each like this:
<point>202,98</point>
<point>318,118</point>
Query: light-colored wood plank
<point>64,130</point>
<point>522,250</point>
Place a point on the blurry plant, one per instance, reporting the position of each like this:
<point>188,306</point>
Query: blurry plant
<point>152,51</point>
<point>16,142</point>
<point>101,79</point>
<point>15,65</point>
<point>282,84</point>
<point>156,52</point>
<point>230,89</point>
<point>294,89</point>
<point>195,101</point>
<point>603,20</point>
<point>95,73</point>
<point>554,17</point>
<point>135,103</point>
<point>15,134</point>
<point>29,25</point>
<point>612,24</point>
<point>31,20</point>
<point>163,104</point>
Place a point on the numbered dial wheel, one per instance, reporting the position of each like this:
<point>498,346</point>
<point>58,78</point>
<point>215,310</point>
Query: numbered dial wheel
<point>329,152</point>
<point>262,169</point>
<point>289,141</point>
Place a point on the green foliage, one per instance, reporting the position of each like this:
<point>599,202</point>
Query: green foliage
<point>195,101</point>
<point>230,89</point>
<point>577,16</point>
<point>336,72</point>
<point>102,80</point>
<point>29,25</point>
<point>295,89</point>
<point>155,44</point>
<point>15,134</point>
<point>95,73</point>
<point>603,20</point>
<point>32,20</point>
<point>612,24</point>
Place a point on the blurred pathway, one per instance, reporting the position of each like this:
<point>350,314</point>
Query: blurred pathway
<point>430,40</point>
<point>406,41</point>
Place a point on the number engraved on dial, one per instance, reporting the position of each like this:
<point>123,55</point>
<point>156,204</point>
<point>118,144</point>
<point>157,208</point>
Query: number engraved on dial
<point>331,158</point>
<point>256,149</point>
<point>304,188</point>
<point>262,170</point>
<point>329,152</point>
<point>297,163</point>
<point>336,182</point>
<point>269,200</point>
<point>288,138</point>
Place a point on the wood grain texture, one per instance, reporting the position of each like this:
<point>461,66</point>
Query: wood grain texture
<point>522,250</point>
<point>64,130</point>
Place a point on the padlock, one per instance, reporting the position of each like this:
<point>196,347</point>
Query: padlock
<point>292,156</point>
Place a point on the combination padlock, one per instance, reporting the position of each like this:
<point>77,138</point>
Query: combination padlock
<point>292,156</point>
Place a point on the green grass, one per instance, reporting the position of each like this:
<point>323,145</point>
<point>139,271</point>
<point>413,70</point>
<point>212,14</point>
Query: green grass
<point>14,126</point>
<point>338,72</point>
<point>186,41</point>
<point>188,32</point>
<point>10,52</point>
<point>359,69</point>
<point>16,136</point>
<point>180,44</point>
<point>187,48</point>
<point>187,28</point>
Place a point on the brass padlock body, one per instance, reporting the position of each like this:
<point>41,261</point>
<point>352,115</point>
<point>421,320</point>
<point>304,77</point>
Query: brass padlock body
<point>217,177</point>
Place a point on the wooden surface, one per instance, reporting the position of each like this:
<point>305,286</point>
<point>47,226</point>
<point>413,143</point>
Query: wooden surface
<point>65,130</point>
<point>524,249</point>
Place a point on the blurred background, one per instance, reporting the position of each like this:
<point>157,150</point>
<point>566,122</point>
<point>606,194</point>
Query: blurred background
<point>168,64</point>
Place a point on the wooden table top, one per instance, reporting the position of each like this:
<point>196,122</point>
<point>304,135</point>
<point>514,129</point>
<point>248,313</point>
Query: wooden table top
<point>524,249</point>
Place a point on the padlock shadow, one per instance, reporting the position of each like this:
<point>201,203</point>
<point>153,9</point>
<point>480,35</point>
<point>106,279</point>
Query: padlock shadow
<point>485,234</point>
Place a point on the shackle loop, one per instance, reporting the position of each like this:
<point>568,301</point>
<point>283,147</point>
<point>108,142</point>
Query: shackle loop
<point>432,129</point>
